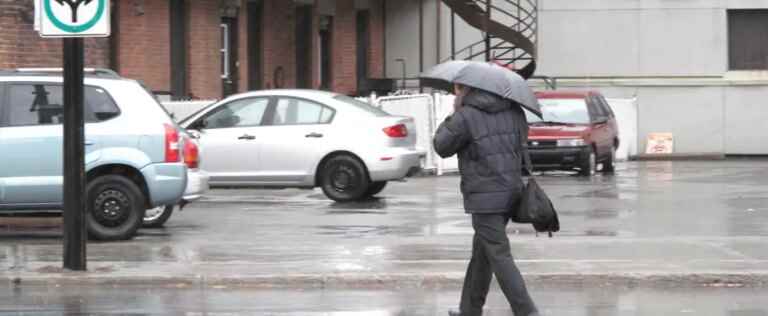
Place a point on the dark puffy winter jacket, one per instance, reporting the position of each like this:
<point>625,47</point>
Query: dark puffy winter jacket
<point>486,133</point>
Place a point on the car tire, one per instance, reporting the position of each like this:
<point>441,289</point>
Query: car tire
<point>376,188</point>
<point>156,217</point>
<point>609,163</point>
<point>115,208</point>
<point>588,166</point>
<point>344,179</point>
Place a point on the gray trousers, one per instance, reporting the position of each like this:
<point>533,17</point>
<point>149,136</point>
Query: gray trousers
<point>491,256</point>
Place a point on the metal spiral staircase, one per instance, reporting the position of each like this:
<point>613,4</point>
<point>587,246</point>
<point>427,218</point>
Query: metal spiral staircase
<point>510,28</point>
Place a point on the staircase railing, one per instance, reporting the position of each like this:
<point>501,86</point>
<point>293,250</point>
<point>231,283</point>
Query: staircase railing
<point>510,30</point>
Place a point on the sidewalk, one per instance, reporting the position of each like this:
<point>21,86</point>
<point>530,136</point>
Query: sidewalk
<point>654,224</point>
<point>624,263</point>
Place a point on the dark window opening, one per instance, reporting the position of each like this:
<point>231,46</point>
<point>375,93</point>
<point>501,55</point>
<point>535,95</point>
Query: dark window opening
<point>178,24</point>
<point>326,42</point>
<point>304,46</point>
<point>363,44</point>
<point>254,45</point>
<point>229,56</point>
<point>748,39</point>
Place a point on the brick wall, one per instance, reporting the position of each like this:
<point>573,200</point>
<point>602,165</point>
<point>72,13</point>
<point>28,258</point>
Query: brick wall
<point>344,48</point>
<point>376,48</point>
<point>279,44</point>
<point>144,43</point>
<point>204,44</point>
<point>22,46</point>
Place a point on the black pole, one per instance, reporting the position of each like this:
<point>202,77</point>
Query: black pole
<point>421,42</point>
<point>74,163</point>
<point>453,35</point>
<point>404,74</point>
<point>487,35</point>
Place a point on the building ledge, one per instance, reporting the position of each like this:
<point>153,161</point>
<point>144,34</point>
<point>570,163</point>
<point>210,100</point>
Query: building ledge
<point>748,78</point>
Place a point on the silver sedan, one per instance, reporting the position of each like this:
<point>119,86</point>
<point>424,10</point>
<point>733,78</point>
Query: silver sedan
<point>305,139</point>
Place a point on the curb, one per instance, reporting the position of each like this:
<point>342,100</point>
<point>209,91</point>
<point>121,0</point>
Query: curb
<point>388,281</point>
<point>681,157</point>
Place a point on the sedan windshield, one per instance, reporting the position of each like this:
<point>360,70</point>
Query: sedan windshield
<point>561,111</point>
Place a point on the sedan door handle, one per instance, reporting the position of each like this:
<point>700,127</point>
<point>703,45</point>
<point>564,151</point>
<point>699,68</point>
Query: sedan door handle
<point>247,137</point>
<point>89,143</point>
<point>314,135</point>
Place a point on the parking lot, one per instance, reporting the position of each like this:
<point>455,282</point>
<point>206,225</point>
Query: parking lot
<point>651,218</point>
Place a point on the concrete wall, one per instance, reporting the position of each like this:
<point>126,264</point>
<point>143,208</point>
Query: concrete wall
<point>632,38</point>
<point>721,118</point>
<point>671,55</point>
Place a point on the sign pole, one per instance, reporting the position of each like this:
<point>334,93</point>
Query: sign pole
<point>75,232</point>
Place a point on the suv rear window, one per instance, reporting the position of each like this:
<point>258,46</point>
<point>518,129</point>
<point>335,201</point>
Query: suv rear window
<point>42,104</point>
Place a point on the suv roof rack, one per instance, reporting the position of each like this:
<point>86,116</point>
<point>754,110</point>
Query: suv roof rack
<point>96,72</point>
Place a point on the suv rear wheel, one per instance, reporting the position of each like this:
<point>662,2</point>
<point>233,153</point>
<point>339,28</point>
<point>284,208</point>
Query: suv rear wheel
<point>115,208</point>
<point>589,165</point>
<point>608,164</point>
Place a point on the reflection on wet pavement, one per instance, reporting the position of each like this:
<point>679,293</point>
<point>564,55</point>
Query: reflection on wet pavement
<point>228,301</point>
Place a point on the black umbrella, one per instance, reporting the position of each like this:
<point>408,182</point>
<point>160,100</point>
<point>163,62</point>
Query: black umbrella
<point>484,76</point>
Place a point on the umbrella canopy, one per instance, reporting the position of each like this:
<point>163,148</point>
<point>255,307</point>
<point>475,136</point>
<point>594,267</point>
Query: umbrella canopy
<point>484,76</point>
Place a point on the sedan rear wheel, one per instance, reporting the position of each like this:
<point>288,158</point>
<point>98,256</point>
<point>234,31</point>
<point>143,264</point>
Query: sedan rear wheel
<point>156,217</point>
<point>344,179</point>
<point>376,188</point>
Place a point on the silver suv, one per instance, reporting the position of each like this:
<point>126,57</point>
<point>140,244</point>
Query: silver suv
<point>133,149</point>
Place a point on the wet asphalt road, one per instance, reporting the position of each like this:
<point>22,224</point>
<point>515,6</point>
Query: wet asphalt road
<point>685,219</point>
<point>676,217</point>
<point>221,301</point>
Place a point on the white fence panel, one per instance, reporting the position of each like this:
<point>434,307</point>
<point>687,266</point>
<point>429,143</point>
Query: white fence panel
<point>182,109</point>
<point>626,117</point>
<point>420,108</point>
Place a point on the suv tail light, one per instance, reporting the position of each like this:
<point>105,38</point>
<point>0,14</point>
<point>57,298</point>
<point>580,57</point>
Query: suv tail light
<point>191,154</point>
<point>397,131</point>
<point>172,153</point>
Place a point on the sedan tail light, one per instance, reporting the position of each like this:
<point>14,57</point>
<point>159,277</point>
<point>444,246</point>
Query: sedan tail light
<point>191,154</point>
<point>396,131</point>
<point>172,153</point>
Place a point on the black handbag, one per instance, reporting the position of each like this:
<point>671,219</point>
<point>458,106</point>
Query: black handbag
<point>535,207</point>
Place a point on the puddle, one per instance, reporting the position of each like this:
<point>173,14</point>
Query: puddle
<point>367,231</point>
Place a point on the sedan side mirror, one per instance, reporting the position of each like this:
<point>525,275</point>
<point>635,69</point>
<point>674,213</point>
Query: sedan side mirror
<point>197,126</point>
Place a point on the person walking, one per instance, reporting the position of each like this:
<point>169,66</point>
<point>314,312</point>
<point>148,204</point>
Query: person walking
<point>487,133</point>
<point>488,130</point>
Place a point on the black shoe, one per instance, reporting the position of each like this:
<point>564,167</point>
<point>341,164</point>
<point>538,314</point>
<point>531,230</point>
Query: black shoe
<point>458,313</point>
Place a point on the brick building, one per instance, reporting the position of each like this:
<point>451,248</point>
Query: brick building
<point>213,48</point>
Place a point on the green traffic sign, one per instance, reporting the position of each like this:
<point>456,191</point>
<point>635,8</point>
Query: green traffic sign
<point>74,18</point>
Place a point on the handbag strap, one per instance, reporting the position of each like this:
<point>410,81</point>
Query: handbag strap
<point>527,160</point>
<point>527,164</point>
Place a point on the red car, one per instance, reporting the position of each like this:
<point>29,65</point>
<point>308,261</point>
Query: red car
<point>578,131</point>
